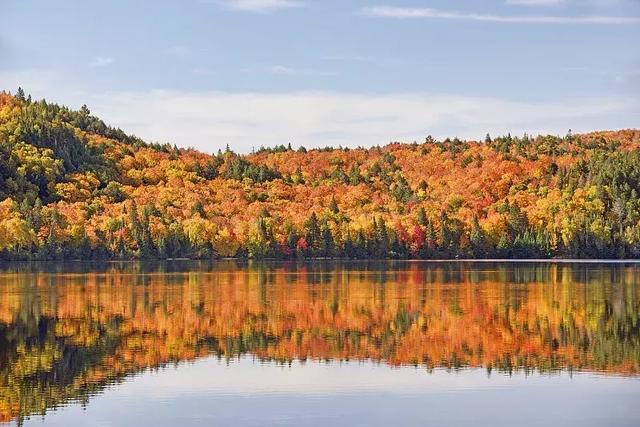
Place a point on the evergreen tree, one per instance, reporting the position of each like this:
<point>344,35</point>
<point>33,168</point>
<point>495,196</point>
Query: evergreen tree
<point>354,175</point>
<point>333,206</point>
<point>422,217</point>
<point>299,179</point>
<point>145,243</point>
<point>477,240</point>
<point>134,221</point>
<point>381,238</point>
<point>446,236</point>
<point>327,248</point>
<point>313,233</point>
<point>20,94</point>
<point>349,247</point>
<point>360,246</point>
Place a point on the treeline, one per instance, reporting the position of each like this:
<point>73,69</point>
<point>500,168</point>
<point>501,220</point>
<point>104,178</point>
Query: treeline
<point>315,239</point>
<point>73,187</point>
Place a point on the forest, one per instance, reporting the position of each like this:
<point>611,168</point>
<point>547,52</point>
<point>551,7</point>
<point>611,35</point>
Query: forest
<point>73,187</point>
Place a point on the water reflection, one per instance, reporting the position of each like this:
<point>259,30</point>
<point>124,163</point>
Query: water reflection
<point>67,331</point>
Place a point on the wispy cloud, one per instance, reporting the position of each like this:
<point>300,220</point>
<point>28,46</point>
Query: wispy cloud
<point>101,61</point>
<point>261,6</point>
<point>429,13</point>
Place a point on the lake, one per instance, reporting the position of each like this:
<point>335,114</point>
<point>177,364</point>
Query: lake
<point>195,343</point>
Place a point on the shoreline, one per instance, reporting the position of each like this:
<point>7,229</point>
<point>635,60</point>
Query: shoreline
<point>341,260</point>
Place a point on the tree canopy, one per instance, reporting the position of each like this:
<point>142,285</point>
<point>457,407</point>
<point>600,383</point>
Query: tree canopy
<point>72,186</point>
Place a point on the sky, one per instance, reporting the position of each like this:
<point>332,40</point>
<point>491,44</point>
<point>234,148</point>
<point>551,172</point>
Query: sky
<point>251,73</point>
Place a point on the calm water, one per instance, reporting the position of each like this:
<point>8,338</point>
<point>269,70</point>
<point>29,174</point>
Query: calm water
<point>195,343</point>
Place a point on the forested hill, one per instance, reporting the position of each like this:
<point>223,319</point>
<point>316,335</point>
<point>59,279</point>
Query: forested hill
<point>73,187</point>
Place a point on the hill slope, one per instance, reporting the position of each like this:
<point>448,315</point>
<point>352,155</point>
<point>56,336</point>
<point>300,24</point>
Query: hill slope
<point>71,186</point>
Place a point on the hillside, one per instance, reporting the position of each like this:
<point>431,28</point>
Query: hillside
<point>73,187</point>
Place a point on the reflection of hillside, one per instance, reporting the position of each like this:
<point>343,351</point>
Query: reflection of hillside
<point>65,336</point>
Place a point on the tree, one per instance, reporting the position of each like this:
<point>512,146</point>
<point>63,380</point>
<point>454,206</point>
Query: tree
<point>422,217</point>
<point>313,233</point>
<point>327,247</point>
<point>477,239</point>
<point>299,179</point>
<point>418,239</point>
<point>380,243</point>
<point>354,175</point>
<point>82,187</point>
<point>333,206</point>
<point>115,192</point>
<point>20,94</point>
<point>446,236</point>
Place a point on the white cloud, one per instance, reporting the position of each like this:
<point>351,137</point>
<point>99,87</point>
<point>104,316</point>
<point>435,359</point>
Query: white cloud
<point>101,61</point>
<point>261,5</point>
<point>429,13</point>
<point>210,120</point>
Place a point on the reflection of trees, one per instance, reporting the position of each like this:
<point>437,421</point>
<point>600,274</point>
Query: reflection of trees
<point>66,336</point>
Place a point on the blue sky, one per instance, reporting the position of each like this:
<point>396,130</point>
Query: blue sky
<point>205,73</point>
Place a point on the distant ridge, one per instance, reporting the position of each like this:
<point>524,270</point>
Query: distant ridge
<point>73,187</point>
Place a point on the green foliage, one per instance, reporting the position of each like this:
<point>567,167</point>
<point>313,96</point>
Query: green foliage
<point>69,185</point>
<point>240,169</point>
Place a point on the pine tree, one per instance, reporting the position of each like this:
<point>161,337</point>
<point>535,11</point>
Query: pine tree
<point>145,242</point>
<point>134,222</point>
<point>445,235</point>
<point>20,94</point>
<point>349,248</point>
<point>354,175</point>
<point>360,246</point>
<point>299,179</point>
<point>313,235</point>
<point>333,206</point>
<point>477,239</point>
<point>503,246</point>
<point>381,237</point>
<point>327,245</point>
<point>422,217</point>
